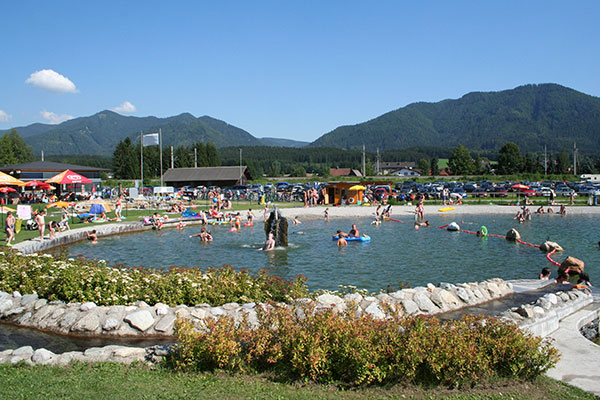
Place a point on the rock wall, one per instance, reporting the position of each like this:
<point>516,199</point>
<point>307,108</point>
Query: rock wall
<point>141,319</point>
<point>543,317</point>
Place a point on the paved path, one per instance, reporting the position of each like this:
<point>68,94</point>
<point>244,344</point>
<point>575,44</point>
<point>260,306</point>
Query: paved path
<point>580,358</point>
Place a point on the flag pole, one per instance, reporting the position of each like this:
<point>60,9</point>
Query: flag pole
<point>142,158</point>
<point>161,168</point>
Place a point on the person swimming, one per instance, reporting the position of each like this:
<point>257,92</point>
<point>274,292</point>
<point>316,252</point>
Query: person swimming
<point>92,237</point>
<point>354,231</point>
<point>269,243</point>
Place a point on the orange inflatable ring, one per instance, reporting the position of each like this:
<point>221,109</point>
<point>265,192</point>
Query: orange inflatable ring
<point>351,200</point>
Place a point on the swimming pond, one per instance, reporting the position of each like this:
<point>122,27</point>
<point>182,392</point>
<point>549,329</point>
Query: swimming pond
<point>397,252</point>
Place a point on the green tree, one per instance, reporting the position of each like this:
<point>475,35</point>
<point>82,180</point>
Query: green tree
<point>531,164</point>
<point>423,164</point>
<point>435,166</point>
<point>563,162</point>
<point>460,162</point>
<point>299,171</point>
<point>212,155</point>
<point>13,149</point>
<point>126,160</point>
<point>510,160</point>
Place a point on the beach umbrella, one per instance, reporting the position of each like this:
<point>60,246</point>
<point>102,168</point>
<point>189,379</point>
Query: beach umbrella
<point>34,184</point>
<point>520,186</point>
<point>357,187</point>
<point>68,177</point>
<point>6,179</point>
<point>6,189</point>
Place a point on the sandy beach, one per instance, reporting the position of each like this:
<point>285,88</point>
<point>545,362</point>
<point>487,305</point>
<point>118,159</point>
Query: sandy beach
<point>403,211</point>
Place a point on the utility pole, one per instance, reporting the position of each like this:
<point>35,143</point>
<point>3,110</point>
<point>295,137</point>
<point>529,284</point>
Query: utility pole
<point>377,167</point>
<point>363,162</point>
<point>172,163</point>
<point>545,160</point>
<point>195,157</point>
<point>241,177</point>
<point>575,158</point>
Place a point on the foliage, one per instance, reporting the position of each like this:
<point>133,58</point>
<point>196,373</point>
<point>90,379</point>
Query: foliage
<point>70,280</point>
<point>13,149</point>
<point>324,347</point>
<point>461,163</point>
<point>510,160</point>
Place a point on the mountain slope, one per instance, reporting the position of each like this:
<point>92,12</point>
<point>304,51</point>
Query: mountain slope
<point>276,142</point>
<point>530,115</point>
<point>99,134</point>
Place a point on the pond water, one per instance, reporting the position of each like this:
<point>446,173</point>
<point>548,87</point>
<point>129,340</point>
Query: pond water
<point>397,252</point>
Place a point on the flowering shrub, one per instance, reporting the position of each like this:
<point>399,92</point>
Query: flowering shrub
<point>79,280</point>
<point>359,350</point>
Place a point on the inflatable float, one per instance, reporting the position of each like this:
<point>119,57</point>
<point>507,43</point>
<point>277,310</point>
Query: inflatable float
<point>446,209</point>
<point>355,239</point>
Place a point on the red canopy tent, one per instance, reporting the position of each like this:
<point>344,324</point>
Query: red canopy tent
<point>67,177</point>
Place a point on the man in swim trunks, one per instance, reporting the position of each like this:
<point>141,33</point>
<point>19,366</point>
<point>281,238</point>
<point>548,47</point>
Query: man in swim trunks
<point>354,231</point>
<point>250,216</point>
<point>204,235</point>
<point>10,228</point>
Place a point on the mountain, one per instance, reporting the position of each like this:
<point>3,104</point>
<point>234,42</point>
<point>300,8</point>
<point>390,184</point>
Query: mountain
<point>99,134</point>
<point>276,142</point>
<point>530,115</point>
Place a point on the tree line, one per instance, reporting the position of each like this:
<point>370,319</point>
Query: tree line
<point>127,156</point>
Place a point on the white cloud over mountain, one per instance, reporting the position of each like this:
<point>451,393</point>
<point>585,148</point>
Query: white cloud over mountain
<point>4,117</point>
<point>125,108</point>
<point>52,81</point>
<point>54,118</point>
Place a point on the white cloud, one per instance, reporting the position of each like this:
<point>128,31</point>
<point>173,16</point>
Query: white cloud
<point>125,108</point>
<point>54,118</point>
<point>51,80</point>
<point>4,117</point>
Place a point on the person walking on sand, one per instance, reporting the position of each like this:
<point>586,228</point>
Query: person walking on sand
<point>41,223</point>
<point>10,228</point>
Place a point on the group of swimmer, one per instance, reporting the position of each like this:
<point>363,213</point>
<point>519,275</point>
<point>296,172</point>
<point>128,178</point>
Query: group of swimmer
<point>583,278</point>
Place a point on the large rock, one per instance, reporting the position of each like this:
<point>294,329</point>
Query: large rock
<point>410,307</point>
<point>549,246</point>
<point>89,323</point>
<point>165,324</point>
<point>513,235</point>
<point>42,356</point>
<point>5,304</point>
<point>375,311</point>
<point>575,265</point>
<point>425,304</point>
<point>445,300</point>
<point>329,299</point>
<point>141,320</point>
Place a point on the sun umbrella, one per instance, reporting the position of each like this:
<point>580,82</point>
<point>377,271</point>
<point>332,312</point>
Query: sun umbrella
<point>60,204</point>
<point>6,179</point>
<point>67,177</point>
<point>519,186</point>
<point>34,184</point>
<point>6,189</point>
<point>357,187</point>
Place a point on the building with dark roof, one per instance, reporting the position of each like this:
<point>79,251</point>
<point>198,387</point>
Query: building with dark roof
<point>207,176</point>
<point>44,170</point>
<point>344,172</point>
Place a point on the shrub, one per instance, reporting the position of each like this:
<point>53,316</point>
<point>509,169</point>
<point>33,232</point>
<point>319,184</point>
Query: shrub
<point>358,350</point>
<point>80,280</point>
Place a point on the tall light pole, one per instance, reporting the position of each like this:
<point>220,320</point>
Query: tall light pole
<point>241,177</point>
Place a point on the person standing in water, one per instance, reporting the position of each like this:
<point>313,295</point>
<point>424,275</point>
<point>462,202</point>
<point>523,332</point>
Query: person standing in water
<point>269,243</point>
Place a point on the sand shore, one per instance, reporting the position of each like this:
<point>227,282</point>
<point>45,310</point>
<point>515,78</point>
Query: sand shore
<point>404,211</point>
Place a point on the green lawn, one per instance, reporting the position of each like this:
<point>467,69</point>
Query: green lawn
<point>114,381</point>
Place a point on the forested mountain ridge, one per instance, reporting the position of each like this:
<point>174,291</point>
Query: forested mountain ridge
<point>530,115</point>
<point>98,134</point>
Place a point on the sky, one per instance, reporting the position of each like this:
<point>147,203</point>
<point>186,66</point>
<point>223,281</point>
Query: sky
<point>289,69</point>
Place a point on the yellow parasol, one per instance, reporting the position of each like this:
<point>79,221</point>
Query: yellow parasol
<point>357,187</point>
<point>6,179</point>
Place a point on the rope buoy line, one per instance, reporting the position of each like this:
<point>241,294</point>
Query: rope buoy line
<point>498,236</point>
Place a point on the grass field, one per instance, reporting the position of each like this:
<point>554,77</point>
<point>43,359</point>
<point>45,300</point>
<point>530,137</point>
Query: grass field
<point>114,381</point>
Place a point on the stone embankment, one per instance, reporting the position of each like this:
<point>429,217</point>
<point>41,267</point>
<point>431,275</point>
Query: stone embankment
<point>141,319</point>
<point>543,317</point>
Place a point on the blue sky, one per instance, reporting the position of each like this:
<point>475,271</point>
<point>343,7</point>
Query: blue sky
<point>292,69</point>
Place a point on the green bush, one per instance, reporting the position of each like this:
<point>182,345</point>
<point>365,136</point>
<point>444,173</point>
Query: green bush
<point>80,280</point>
<point>327,347</point>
